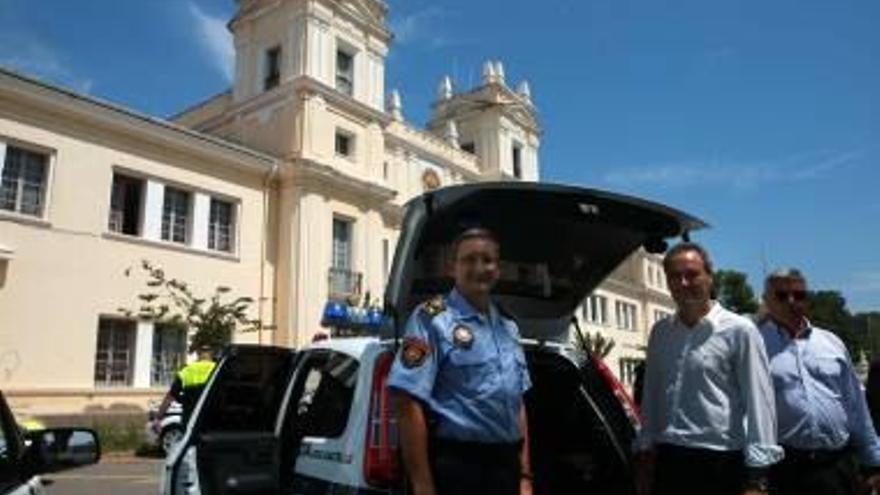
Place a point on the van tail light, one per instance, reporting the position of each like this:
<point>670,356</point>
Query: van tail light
<point>629,407</point>
<point>381,467</point>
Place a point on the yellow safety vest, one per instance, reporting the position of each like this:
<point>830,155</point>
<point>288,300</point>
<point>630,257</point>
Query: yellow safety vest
<point>195,374</point>
<point>32,425</point>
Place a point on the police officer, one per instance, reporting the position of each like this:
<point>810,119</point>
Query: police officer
<point>460,375</point>
<point>188,385</point>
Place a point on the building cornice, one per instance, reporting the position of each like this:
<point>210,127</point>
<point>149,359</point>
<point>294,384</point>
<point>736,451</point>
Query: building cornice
<point>23,89</point>
<point>250,12</point>
<point>200,104</point>
<point>6,252</point>
<point>498,95</point>
<point>302,84</point>
<point>372,26</point>
<point>393,214</point>
<point>343,101</point>
<point>622,286</point>
<point>407,137</point>
<point>267,99</point>
<point>309,173</point>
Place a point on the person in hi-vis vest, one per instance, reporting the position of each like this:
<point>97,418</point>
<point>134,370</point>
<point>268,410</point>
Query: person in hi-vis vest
<point>188,385</point>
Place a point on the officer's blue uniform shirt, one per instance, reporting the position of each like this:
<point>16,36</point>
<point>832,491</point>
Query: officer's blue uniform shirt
<point>469,370</point>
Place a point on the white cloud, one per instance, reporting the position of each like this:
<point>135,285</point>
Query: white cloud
<point>214,38</point>
<point>421,27</point>
<point>800,167</point>
<point>26,54</point>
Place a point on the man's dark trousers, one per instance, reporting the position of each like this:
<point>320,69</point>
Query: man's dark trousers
<point>466,468</point>
<point>816,473</point>
<point>691,471</point>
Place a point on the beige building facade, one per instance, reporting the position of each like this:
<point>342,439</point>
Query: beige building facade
<point>625,308</point>
<point>288,188</point>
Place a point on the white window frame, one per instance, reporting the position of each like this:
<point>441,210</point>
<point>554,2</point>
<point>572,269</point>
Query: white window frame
<point>350,222</point>
<point>188,220</point>
<point>157,368</point>
<point>626,314</point>
<point>596,309</point>
<point>265,67</point>
<point>107,381</point>
<point>386,257</point>
<point>198,225</point>
<point>516,150</point>
<point>48,177</point>
<point>352,144</point>
<point>660,314</point>
<point>141,208</point>
<point>351,79</point>
<point>233,226</point>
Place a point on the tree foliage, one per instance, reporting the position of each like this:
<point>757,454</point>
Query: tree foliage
<point>827,309</point>
<point>734,292</point>
<point>212,320</point>
<point>867,324</point>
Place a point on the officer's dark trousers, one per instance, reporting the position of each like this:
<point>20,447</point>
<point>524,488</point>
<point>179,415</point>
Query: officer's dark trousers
<point>816,473</point>
<point>687,471</point>
<point>466,468</point>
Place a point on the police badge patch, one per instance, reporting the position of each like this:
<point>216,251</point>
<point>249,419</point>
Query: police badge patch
<point>463,337</point>
<point>414,352</point>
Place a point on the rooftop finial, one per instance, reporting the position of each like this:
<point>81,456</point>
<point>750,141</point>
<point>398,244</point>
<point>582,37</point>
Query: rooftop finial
<point>451,133</point>
<point>444,90</point>
<point>394,106</point>
<point>499,71</point>
<point>525,91</point>
<point>489,75</point>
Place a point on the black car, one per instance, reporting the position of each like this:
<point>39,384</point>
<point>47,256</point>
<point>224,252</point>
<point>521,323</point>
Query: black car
<point>26,455</point>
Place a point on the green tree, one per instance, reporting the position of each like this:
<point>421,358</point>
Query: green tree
<point>213,320</point>
<point>867,325</point>
<point>827,309</point>
<point>734,292</point>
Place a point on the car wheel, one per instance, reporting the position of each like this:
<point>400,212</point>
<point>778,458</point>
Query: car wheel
<point>169,438</point>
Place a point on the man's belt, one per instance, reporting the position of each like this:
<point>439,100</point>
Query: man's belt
<point>814,456</point>
<point>470,449</point>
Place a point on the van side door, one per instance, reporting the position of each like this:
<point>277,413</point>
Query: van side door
<point>233,442</point>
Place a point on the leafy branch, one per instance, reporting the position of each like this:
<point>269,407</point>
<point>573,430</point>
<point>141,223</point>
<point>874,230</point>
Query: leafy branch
<point>596,344</point>
<point>169,300</point>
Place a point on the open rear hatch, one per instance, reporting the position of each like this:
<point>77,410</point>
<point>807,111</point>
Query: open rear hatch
<point>557,244</point>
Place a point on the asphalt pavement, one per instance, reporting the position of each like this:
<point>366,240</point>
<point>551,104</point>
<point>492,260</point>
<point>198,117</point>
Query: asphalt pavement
<point>122,475</point>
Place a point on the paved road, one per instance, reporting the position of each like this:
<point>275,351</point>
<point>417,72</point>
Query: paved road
<point>128,476</point>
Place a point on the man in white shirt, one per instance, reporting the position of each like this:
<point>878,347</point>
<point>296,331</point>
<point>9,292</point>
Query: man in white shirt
<point>708,405</point>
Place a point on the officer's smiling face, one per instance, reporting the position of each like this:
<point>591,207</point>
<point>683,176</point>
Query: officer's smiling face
<point>475,267</point>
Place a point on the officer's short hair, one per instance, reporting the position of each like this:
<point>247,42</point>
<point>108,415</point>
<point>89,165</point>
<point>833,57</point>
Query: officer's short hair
<point>785,273</point>
<point>683,247</point>
<point>473,233</point>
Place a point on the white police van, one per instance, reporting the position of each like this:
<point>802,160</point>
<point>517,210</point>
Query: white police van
<point>321,420</point>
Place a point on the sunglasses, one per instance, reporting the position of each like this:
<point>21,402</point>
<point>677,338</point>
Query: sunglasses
<point>797,295</point>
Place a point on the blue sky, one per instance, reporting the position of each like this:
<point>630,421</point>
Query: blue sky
<point>761,117</point>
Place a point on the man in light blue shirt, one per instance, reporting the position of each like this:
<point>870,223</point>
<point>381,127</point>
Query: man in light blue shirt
<point>821,409</point>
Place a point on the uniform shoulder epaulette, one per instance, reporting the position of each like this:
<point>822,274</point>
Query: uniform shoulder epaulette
<point>434,306</point>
